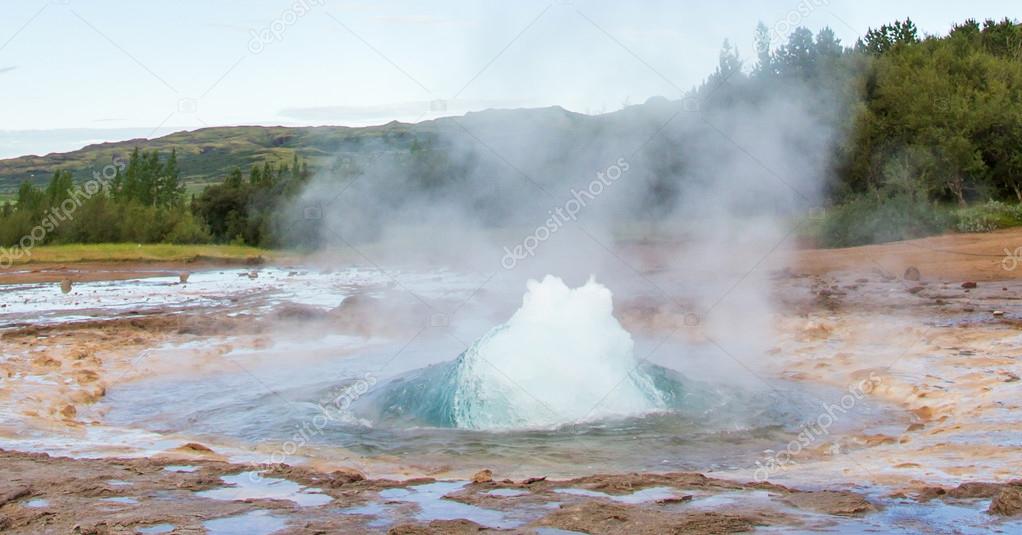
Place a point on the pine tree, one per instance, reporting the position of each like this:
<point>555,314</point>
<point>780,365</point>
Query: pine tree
<point>169,189</point>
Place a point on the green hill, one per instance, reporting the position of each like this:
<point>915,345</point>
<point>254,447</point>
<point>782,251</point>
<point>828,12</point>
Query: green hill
<point>206,155</point>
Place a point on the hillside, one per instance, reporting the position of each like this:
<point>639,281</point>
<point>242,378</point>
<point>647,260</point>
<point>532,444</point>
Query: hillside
<point>208,154</point>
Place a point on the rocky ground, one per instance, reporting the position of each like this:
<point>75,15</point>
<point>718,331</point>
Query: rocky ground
<point>930,328</point>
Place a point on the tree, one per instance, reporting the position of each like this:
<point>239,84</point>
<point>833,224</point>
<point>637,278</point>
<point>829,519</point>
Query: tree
<point>797,58</point>
<point>59,188</point>
<point>765,63</point>
<point>889,36</point>
<point>169,190</point>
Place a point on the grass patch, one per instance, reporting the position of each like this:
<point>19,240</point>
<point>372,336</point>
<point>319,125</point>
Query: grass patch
<point>991,215</point>
<point>869,219</point>
<point>132,252</point>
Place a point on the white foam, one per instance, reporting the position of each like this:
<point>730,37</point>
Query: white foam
<point>561,358</point>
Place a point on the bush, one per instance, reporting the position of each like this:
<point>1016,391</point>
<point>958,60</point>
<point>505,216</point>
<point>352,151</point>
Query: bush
<point>869,219</point>
<point>989,216</point>
<point>188,230</point>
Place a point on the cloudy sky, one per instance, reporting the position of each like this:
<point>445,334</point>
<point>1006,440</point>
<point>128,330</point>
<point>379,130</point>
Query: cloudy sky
<point>74,71</point>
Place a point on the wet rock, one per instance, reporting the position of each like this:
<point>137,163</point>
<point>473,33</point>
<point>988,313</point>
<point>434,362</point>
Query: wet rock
<point>998,313</point>
<point>532,480</point>
<point>968,284</point>
<point>183,277</point>
<point>674,499</point>
<point>438,527</point>
<point>606,518</point>
<point>483,476</point>
<point>195,446</point>
<point>831,502</point>
<point>911,274</point>
<point>1008,502</point>
<point>65,285</point>
<point>293,311</point>
<point>916,289</point>
<point>15,494</point>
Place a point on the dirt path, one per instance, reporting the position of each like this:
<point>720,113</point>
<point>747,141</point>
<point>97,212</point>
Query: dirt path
<point>954,256</point>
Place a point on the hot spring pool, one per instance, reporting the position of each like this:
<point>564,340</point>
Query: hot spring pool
<point>556,389</point>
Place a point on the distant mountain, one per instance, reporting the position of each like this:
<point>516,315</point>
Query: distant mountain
<point>208,154</point>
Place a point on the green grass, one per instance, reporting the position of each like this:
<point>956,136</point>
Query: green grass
<point>128,252</point>
<point>868,219</point>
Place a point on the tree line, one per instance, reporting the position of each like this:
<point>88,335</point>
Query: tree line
<point>931,123</point>
<point>144,201</point>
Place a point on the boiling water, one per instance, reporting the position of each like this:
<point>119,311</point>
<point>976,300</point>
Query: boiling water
<point>557,388</point>
<point>562,358</point>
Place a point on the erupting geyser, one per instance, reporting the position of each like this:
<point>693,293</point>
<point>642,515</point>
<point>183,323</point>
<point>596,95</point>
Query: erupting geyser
<point>561,358</point>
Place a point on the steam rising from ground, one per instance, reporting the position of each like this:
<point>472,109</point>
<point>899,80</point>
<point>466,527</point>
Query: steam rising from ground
<point>562,358</point>
<point>705,207</point>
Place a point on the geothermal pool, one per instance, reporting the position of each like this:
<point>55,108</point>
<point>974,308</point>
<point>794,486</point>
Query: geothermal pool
<point>556,388</point>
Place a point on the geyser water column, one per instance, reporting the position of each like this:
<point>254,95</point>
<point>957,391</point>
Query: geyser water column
<point>561,358</point>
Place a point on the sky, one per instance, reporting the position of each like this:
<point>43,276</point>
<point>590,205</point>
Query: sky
<point>74,72</point>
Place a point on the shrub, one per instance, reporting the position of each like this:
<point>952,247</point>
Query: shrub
<point>989,216</point>
<point>868,219</point>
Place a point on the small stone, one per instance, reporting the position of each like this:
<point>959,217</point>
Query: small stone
<point>674,499</point>
<point>998,313</point>
<point>911,274</point>
<point>968,284</point>
<point>195,446</point>
<point>65,285</point>
<point>183,276</point>
<point>483,476</point>
<point>1008,502</point>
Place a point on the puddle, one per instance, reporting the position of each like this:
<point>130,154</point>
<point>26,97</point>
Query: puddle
<point>249,485</point>
<point>36,503</point>
<point>120,499</point>
<point>432,506</point>
<point>641,496</point>
<point>374,510</point>
<point>507,493</point>
<point>179,468</point>
<point>45,303</point>
<point>118,483</point>
<point>252,523</point>
<point>156,529</point>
